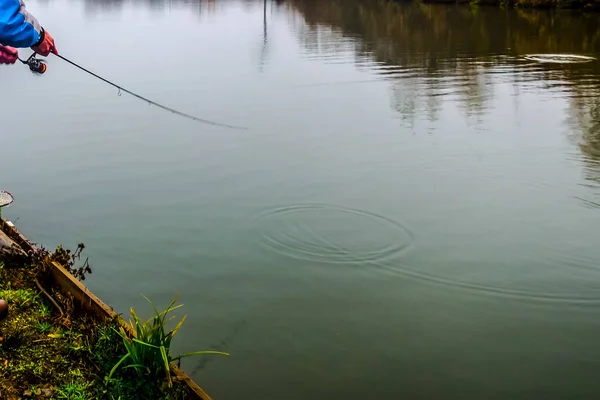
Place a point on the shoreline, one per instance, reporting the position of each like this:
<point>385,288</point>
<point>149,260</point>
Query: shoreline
<point>88,303</point>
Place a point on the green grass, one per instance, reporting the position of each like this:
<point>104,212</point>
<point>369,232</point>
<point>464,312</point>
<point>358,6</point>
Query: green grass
<point>43,327</point>
<point>76,373</point>
<point>72,354</point>
<point>19,296</point>
<point>45,310</point>
<point>74,391</point>
<point>148,353</point>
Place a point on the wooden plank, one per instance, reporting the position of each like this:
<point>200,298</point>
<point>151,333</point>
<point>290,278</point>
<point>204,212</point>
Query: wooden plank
<point>15,235</point>
<point>88,300</point>
<point>11,252</point>
<point>92,303</point>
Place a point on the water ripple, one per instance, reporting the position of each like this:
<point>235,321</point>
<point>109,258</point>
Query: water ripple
<point>337,235</point>
<point>326,233</point>
<point>559,58</point>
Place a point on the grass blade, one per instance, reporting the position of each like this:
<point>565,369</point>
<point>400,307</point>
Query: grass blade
<point>145,344</point>
<point>112,371</point>
<point>174,331</point>
<point>165,358</point>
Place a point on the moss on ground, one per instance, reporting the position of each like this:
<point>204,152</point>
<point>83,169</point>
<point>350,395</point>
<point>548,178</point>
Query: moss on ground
<point>47,352</point>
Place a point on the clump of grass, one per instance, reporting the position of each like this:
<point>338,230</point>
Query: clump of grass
<point>148,353</point>
<point>43,327</point>
<point>76,373</point>
<point>126,383</point>
<point>75,391</point>
<point>45,311</point>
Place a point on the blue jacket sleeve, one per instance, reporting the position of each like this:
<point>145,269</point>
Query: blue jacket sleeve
<point>18,28</point>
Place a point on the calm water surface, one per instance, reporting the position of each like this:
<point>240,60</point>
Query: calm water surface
<point>413,211</point>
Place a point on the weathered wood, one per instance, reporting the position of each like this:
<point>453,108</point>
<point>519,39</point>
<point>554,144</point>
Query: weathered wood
<point>81,294</point>
<point>11,254</point>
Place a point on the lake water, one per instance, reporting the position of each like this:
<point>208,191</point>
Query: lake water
<point>412,212</point>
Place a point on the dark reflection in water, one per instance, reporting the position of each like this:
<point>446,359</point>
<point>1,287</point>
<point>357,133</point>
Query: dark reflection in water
<point>199,7</point>
<point>430,54</point>
<point>455,48</point>
<point>584,122</point>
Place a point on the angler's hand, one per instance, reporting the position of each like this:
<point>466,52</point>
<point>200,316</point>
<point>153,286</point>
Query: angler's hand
<point>8,55</point>
<point>46,45</point>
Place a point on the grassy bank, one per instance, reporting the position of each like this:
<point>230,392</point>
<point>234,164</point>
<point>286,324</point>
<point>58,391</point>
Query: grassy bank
<point>50,348</point>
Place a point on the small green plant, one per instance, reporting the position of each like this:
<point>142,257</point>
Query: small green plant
<point>74,391</point>
<point>105,334</point>
<point>76,373</point>
<point>81,343</point>
<point>43,327</point>
<point>45,311</point>
<point>148,352</point>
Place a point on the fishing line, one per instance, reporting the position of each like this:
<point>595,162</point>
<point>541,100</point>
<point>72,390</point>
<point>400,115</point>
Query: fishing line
<point>122,89</point>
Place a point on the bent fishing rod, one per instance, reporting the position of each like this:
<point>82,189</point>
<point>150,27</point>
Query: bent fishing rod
<point>39,67</point>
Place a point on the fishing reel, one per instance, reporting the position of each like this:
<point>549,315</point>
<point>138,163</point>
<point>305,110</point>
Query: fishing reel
<point>35,65</point>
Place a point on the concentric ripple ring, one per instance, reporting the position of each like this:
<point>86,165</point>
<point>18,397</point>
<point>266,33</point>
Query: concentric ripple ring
<point>331,234</point>
<point>297,231</point>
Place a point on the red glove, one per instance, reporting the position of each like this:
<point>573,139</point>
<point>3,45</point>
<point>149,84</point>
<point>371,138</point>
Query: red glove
<point>45,45</point>
<point>8,55</point>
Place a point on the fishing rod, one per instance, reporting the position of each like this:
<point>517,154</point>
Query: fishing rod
<point>38,66</point>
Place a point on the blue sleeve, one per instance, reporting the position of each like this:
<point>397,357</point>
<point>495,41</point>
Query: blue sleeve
<point>18,28</point>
